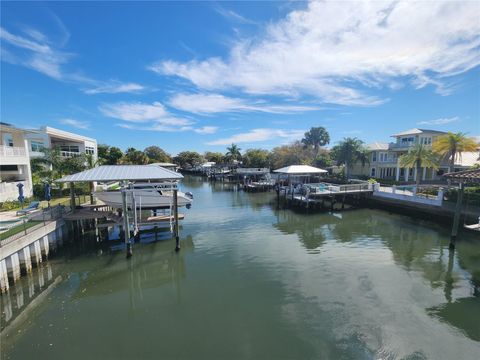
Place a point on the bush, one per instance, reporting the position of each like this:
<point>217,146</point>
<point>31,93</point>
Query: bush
<point>14,204</point>
<point>471,195</point>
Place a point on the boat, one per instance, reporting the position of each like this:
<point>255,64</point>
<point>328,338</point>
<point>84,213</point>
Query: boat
<point>147,196</point>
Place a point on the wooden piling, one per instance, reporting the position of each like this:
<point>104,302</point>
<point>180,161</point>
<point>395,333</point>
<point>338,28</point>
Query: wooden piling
<point>456,218</point>
<point>126,227</point>
<point>175,211</point>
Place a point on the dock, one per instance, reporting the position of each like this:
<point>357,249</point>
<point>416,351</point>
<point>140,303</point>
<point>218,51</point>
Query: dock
<point>314,195</point>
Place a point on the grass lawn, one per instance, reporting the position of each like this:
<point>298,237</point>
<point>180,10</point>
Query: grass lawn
<point>43,204</point>
<point>19,228</point>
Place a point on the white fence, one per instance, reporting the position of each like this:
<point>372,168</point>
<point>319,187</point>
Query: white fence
<point>408,194</point>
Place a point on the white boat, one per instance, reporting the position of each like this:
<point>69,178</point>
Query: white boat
<point>147,196</point>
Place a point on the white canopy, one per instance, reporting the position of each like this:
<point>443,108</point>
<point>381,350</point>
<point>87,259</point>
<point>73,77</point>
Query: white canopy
<point>299,170</point>
<point>106,173</point>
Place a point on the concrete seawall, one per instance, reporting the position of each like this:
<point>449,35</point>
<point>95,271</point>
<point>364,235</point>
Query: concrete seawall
<point>21,255</point>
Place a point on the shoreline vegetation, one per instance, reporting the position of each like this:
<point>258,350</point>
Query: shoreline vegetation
<point>310,150</point>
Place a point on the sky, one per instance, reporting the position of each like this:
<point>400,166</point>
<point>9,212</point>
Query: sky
<point>202,75</point>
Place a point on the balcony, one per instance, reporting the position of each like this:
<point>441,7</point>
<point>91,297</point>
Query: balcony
<point>12,151</point>
<point>69,154</point>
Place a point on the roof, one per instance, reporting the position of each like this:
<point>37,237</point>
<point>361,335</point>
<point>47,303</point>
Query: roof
<point>416,131</point>
<point>467,175</point>
<point>65,135</point>
<point>467,159</point>
<point>300,169</point>
<point>377,146</point>
<point>165,164</point>
<point>123,172</point>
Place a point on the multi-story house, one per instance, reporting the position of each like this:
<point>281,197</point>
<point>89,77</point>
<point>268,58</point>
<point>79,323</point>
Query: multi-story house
<point>384,157</point>
<point>18,146</point>
<point>14,163</point>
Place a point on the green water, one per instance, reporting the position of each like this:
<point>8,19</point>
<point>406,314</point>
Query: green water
<point>253,282</point>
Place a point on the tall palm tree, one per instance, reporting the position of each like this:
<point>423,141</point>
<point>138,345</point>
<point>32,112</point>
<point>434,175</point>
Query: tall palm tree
<point>316,137</point>
<point>363,156</point>
<point>417,157</point>
<point>233,152</point>
<point>452,145</point>
<point>347,152</point>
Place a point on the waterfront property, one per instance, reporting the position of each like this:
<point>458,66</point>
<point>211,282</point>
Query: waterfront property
<point>384,158</point>
<point>19,146</point>
<point>254,281</point>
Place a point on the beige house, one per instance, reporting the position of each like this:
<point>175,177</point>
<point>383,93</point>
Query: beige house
<point>384,158</point>
<point>18,146</point>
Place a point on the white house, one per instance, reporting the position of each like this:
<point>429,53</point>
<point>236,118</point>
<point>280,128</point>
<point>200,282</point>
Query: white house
<point>384,157</point>
<point>18,146</point>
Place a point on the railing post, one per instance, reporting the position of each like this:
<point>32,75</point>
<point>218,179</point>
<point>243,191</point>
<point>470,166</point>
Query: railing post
<point>24,226</point>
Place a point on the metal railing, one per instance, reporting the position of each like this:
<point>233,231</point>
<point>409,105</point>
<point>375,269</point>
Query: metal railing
<point>9,151</point>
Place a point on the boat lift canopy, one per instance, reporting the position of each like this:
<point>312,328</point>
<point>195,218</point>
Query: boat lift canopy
<point>300,170</point>
<point>107,173</point>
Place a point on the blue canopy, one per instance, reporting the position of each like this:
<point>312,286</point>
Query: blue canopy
<point>48,195</point>
<point>20,192</point>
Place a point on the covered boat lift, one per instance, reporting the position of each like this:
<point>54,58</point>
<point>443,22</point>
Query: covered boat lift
<point>461,177</point>
<point>127,174</point>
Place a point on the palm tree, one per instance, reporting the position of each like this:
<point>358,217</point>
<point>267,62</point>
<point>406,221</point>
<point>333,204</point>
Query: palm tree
<point>316,137</point>
<point>363,156</point>
<point>347,152</point>
<point>417,157</point>
<point>452,144</point>
<point>233,152</point>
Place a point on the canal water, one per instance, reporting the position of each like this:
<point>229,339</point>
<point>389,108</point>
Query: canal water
<point>254,282</point>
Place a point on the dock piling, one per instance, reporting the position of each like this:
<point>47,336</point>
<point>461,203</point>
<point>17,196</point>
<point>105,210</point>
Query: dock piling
<point>175,211</point>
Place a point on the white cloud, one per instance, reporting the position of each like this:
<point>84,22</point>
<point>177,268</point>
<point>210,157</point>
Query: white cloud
<point>216,103</point>
<point>147,117</point>
<point>75,123</point>
<point>115,88</point>
<point>232,15</point>
<point>135,112</point>
<point>440,121</point>
<point>36,51</point>
<point>206,130</point>
<point>256,135</point>
<point>339,51</point>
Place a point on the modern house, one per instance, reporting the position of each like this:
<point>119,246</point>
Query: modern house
<point>384,157</point>
<point>14,163</point>
<point>18,146</point>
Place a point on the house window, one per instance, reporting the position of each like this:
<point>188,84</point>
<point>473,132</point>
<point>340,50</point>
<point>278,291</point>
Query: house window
<point>37,146</point>
<point>89,150</point>
<point>407,140</point>
<point>70,148</point>
<point>402,172</point>
<point>374,157</point>
<point>7,139</point>
<point>372,173</point>
<point>426,140</point>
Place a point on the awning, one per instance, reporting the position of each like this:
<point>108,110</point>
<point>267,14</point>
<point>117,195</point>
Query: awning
<point>467,175</point>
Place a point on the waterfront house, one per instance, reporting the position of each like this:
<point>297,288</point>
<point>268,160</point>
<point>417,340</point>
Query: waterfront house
<point>384,157</point>
<point>19,146</point>
<point>14,163</point>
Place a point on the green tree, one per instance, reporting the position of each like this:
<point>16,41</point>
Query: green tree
<point>322,160</point>
<point>233,153</point>
<point>417,157</point>
<point>134,157</point>
<point>114,156</point>
<point>292,154</point>
<point>451,145</point>
<point>188,159</point>
<point>347,152</point>
<point>109,155</point>
<point>216,157</point>
<point>256,158</point>
<point>316,137</point>
<point>157,154</point>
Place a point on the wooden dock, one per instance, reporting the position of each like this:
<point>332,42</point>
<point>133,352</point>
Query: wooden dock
<point>314,195</point>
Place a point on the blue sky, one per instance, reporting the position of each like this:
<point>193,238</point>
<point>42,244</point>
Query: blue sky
<point>200,75</point>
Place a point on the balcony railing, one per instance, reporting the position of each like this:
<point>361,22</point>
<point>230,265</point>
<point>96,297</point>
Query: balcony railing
<point>69,154</point>
<point>10,151</point>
